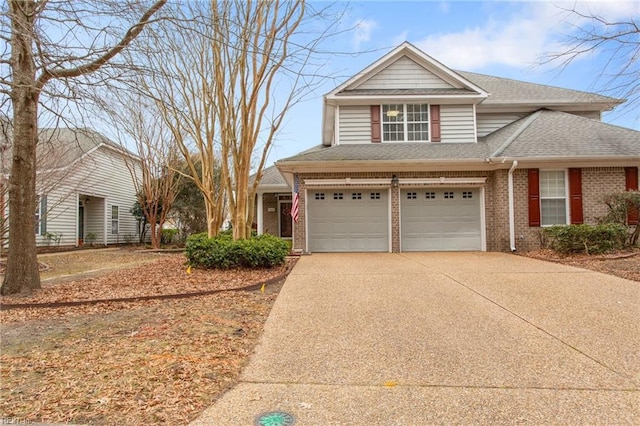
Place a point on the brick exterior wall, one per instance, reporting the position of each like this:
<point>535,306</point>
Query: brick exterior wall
<point>596,182</point>
<point>270,219</point>
<point>395,219</point>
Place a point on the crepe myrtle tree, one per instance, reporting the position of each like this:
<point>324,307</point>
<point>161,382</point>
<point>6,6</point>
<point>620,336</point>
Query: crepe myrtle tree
<point>49,47</point>
<point>225,84</point>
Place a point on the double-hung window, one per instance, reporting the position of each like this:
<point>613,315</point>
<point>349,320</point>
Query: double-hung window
<point>553,197</point>
<point>405,123</point>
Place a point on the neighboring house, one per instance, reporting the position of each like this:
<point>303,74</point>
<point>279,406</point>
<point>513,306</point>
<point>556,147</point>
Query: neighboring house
<point>419,157</point>
<point>85,190</point>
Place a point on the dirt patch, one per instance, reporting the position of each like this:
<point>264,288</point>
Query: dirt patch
<point>623,264</point>
<point>148,362</point>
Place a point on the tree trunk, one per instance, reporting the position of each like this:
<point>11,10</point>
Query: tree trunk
<point>22,275</point>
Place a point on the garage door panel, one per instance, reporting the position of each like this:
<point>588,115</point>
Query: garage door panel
<point>440,220</point>
<point>356,222</point>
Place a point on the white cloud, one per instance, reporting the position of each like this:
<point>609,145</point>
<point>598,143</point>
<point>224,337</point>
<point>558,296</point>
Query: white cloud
<point>363,30</point>
<point>518,40</point>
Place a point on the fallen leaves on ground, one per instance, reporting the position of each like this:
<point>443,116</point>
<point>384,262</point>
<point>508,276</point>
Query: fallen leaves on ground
<point>163,277</point>
<point>623,264</point>
<point>158,362</point>
<point>129,363</point>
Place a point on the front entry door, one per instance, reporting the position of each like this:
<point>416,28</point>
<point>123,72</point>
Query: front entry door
<point>285,220</point>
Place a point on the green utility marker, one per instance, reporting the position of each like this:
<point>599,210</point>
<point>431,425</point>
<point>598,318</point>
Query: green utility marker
<point>275,418</point>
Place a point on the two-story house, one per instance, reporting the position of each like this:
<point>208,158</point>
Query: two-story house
<point>418,157</point>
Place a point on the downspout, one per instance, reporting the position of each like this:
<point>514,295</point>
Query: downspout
<point>512,227</point>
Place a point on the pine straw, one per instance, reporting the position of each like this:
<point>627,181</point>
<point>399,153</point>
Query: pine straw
<point>148,362</point>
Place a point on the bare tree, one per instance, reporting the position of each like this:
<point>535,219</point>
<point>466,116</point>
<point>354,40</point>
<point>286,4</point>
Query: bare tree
<point>616,41</point>
<point>154,170</point>
<point>50,41</point>
<point>225,84</point>
<point>181,83</point>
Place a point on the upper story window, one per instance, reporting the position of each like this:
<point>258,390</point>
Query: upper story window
<point>553,197</point>
<point>405,123</point>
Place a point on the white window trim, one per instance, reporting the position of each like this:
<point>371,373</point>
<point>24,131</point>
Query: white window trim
<point>38,213</point>
<point>567,220</point>
<point>405,127</point>
<point>117,220</point>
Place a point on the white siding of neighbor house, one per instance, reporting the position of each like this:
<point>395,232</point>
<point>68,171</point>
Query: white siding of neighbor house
<point>355,124</point>
<point>60,216</point>
<point>457,123</point>
<point>102,176</point>
<point>489,123</point>
<point>405,74</point>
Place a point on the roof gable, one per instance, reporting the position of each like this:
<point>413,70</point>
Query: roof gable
<point>405,73</point>
<point>420,71</point>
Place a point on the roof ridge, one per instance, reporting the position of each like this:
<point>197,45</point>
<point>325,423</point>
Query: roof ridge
<point>527,122</point>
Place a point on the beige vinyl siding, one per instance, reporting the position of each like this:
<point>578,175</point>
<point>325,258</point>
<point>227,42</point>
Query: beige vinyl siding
<point>94,220</point>
<point>112,181</point>
<point>60,217</point>
<point>489,123</point>
<point>456,124</point>
<point>405,74</point>
<point>104,177</point>
<point>355,124</point>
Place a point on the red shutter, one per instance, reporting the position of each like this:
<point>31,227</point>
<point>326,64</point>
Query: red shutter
<point>631,178</point>
<point>376,134</point>
<point>435,123</point>
<point>534,197</point>
<point>575,196</point>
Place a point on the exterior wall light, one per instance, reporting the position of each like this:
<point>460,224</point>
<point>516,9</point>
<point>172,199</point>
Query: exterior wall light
<point>395,182</point>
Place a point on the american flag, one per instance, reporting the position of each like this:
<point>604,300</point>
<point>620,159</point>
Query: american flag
<point>296,199</point>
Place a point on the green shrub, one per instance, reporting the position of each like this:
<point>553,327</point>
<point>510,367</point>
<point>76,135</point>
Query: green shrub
<point>168,235</point>
<point>590,239</point>
<point>222,252</point>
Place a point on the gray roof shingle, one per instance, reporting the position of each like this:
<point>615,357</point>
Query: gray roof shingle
<point>559,134</point>
<point>394,151</point>
<point>507,91</point>
<point>270,176</point>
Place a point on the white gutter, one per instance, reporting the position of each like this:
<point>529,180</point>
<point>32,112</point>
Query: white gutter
<point>512,227</point>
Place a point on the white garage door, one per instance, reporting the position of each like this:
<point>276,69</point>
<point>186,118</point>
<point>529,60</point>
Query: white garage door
<point>344,220</point>
<point>440,219</point>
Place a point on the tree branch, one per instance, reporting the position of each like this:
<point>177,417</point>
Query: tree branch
<point>131,34</point>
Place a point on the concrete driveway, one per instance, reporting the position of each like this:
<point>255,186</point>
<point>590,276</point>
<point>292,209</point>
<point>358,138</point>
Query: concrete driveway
<point>443,338</point>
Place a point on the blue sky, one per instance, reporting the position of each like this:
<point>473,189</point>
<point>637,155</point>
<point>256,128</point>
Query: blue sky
<point>494,37</point>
